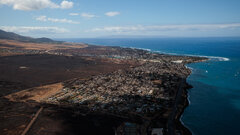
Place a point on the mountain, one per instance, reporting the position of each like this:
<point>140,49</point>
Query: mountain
<point>14,36</point>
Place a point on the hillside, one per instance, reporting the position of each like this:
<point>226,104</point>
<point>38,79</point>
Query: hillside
<point>14,36</point>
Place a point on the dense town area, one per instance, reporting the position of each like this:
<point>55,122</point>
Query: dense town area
<point>143,89</point>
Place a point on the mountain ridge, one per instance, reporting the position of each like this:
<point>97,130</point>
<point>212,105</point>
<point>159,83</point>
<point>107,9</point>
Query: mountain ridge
<point>17,37</point>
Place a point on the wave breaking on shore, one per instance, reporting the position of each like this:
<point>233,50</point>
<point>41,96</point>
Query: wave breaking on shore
<point>213,58</point>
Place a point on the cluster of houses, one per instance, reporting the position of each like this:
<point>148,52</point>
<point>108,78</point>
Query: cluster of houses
<point>145,89</point>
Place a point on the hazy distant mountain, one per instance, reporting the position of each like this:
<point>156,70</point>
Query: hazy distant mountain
<point>14,36</point>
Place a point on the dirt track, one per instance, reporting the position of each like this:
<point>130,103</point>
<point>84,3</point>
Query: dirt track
<point>32,121</point>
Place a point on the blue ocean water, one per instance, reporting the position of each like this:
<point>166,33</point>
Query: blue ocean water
<point>215,97</point>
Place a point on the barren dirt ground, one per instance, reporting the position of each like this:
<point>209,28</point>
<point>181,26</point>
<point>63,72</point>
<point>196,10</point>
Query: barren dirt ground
<point>27,79</point>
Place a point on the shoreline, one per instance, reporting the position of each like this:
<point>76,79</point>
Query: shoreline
<point>216,58</point>
<point>186,102</point>
<point>179,122</point>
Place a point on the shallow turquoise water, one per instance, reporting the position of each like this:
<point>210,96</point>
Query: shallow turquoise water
<point>215,99</point>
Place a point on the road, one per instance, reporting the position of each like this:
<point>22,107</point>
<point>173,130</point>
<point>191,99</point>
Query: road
<point>32,121</point>
<point>171,125</point>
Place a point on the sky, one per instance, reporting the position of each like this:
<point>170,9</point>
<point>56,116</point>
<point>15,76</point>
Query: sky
<point>106,18</point>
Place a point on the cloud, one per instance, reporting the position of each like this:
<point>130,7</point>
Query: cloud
<point>73,14</point>
<point>27,29</point>
<point>62,21</point>
<point>28,5</point>
<point>156,28</point>
<point>112,13</point>
<point>66,4</point>
<point>45,18</point>
<point>87,15</point>
<point>42,18</point>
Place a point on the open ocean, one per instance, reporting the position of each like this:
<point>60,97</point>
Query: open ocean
<point>215,97</point>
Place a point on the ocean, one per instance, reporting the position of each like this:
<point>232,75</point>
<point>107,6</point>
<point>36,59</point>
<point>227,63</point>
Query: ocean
<point>215,97</point>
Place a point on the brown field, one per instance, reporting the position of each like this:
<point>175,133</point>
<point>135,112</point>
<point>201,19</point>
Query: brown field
<point>38,46</point>
<point>27,71</point>
<point>37,93</point>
